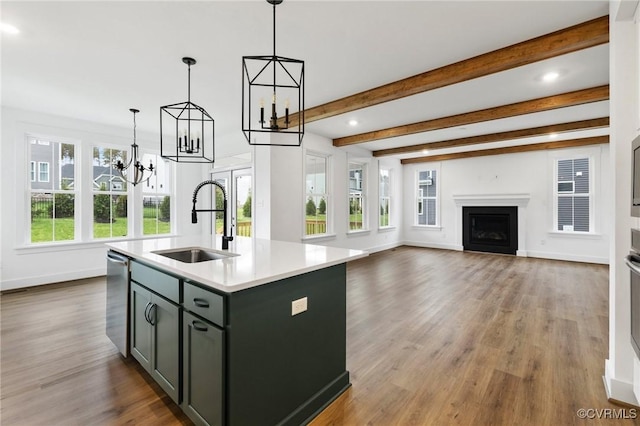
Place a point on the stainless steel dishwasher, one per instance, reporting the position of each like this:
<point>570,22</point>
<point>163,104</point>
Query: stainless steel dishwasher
<point>118,301</point>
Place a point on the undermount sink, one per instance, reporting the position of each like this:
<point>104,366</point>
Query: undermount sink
<point>194,254</point>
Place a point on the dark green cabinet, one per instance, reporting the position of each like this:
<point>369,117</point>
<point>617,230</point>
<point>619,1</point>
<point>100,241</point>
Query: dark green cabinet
<point>242,358</point>
<point>155,338</point>
<point>203,371</point>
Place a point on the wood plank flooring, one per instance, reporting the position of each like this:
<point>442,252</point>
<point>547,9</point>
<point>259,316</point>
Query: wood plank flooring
<point>434,337</point>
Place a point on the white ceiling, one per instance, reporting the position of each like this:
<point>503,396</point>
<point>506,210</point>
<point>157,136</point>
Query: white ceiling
<point>95,60</point>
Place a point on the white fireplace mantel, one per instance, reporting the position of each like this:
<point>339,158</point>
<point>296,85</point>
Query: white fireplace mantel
<point>520,200</point>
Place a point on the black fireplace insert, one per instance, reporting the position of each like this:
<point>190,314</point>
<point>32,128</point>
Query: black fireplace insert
<point>490,229</point>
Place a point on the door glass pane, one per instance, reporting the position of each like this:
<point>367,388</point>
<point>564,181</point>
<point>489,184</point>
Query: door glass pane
<point>243,201</point>
<point>218,203</point>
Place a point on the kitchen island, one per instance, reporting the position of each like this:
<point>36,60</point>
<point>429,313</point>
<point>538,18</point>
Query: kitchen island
<point>256,337</point>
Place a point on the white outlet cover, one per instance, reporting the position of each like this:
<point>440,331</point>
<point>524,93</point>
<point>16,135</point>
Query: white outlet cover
<point>298,306</point>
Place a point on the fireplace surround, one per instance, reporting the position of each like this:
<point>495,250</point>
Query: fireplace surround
<point>519,200</point>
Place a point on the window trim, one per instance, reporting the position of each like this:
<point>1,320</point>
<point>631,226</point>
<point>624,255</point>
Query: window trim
<point>558,194</point>
<point>363,196</point>
<point>329,233</point>
<point>83,192</point>
<point>420,197</point>
<point>25,229</point>
<point>388,198</point>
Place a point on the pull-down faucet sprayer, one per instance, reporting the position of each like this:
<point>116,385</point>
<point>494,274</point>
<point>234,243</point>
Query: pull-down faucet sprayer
<point>194,212</point>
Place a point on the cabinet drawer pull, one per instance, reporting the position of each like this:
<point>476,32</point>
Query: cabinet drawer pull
<point>146,312</point>
<point>199,326</point>
<point>152,320</point>
<point>200,303</point>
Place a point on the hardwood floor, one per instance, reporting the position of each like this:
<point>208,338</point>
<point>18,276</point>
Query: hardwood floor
<point>434,337</point>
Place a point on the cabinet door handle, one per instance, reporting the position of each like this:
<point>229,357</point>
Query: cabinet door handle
<point>200,303</point>
<point>155,310</point>
<point>146,312</point>
<point>199,326</point>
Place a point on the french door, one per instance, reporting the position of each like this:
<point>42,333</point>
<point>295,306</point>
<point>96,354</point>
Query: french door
<point>238,184</point>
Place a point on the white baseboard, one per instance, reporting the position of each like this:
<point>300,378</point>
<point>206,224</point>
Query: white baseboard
<point>51,278</point>
<point>568,257</point>
<point>384,247</point>
<point>617,390</point>
<point>428,244</point>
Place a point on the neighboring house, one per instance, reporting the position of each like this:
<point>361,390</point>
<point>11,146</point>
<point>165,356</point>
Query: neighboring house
<point>102,175</point>
<point>45,165</point>
<point>106,178</point>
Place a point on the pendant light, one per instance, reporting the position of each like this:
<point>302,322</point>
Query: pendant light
<point>190,129</point>
<point>279,81</point>
<point>134,172</point>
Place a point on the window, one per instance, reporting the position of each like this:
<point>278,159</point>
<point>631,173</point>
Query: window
<point>109,195</point>
<point>357,196</point>
<point>53,196</point>
<point>156,198</point>
<point>316,204</point>
<point>572,195</point>
<point>385,198</point>
<point>427,201</point>
<point>52,199</point>
<point>43,171</point>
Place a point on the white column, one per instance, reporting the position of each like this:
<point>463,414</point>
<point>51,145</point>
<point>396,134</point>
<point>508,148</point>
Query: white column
<point>624,124</point>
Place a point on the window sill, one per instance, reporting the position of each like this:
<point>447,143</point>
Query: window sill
<point>320,237</point>
<point>573,234</point>
<point>358,232</point>
<point>386,228</point>
<point>78,245</point>
<point>427,227</point>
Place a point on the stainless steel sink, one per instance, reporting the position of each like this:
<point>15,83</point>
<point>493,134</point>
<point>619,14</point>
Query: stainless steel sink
<point>194,254</point>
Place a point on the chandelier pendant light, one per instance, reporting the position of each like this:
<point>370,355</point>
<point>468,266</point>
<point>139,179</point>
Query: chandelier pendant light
<point>279,80</point>
<point>134,172</point>
<point>186,129</point>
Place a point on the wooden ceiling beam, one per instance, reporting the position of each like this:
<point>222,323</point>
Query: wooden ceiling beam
<point>578,97</point>
<point>498,137</point>
<point>582,36</point>
<point>570,143</point>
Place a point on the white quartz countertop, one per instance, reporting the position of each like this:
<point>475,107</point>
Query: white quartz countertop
<point>259,261</point>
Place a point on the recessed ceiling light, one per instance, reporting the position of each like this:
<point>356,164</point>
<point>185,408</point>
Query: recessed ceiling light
<point>553,135</point>
<point>425,151</point>
<point>550,76</point>
<point>353,122</point>
<point>8,29</point>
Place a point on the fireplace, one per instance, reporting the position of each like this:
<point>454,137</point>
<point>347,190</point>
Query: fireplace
<point>492,229</point>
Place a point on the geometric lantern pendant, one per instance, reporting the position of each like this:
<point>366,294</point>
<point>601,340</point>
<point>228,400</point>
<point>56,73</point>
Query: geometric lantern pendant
<point>273,97</point>
<point>186,129</point>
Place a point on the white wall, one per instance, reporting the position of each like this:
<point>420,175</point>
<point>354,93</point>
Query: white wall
<point>530,173</point>
<point>279,195</point>
<point>22,265</point>
<point>625,123</point>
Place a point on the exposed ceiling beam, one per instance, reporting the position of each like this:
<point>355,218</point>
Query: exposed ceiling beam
<point>499,137</point>
<point>511,150</point>
<point>548,103</point>
<point>582,36</point>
